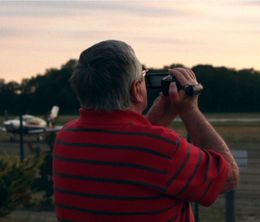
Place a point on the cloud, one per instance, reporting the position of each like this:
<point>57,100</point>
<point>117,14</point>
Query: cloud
<point>69,8</point>
<point>242,3</point>
<point>164,40</point>
<point>250,3</point>
<point>8,32</point>
<point>90,34</point>
<point>100,18</point>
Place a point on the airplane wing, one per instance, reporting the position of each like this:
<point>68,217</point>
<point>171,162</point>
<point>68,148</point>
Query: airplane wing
<point>44,130</point>
<point>2,129</point>
<point>36,131</point>
<point>54,129</point>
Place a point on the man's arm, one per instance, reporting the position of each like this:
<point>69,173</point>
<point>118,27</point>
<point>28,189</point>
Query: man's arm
<point>199,129</point>
<point>161,112</point>
<point>202,133</point>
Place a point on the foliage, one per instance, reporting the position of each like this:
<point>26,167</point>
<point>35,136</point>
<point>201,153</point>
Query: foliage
<point>226,90</point>
<point>40,93</point>
<point>16,178</point>
<point>44,182</point>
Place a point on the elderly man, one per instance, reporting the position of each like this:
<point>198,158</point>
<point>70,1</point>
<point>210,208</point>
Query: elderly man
<point>115,165</point>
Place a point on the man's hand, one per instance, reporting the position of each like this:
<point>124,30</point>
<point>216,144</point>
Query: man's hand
<point>179,99</point>
<point>166,108</point>
<point>162,112</point>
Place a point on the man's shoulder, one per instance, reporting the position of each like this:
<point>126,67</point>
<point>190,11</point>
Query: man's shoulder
<point>71,124</point>
<point>140,130</point>
<point>159,132</point>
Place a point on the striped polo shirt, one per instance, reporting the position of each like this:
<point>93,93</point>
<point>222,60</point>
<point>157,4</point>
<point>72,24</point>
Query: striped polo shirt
<point>118,167</point>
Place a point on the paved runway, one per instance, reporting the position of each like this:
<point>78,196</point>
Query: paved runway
<point>30,146</point>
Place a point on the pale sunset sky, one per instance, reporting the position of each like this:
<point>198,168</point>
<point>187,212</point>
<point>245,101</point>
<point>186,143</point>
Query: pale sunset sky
<point>38,35</point>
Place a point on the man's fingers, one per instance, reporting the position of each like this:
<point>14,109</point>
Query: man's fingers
<point>173,91</point>
<point>189,73</point>
<point>192,74</point>
<point>184,76</point>
<point>180,76</point>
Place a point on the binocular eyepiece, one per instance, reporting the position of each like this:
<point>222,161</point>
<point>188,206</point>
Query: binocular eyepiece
<point>162,81</point>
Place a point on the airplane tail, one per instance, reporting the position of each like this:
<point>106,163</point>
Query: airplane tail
<point>6,115</point>
<point>53,116</point>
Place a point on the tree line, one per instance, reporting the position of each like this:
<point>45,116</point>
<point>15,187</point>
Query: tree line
<point>225,90</point>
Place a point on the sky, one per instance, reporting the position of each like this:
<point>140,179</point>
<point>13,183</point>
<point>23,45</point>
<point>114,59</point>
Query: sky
<point>39,35</point>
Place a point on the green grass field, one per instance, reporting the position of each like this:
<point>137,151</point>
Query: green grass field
<point>241,135</point>
<point>234,132</point>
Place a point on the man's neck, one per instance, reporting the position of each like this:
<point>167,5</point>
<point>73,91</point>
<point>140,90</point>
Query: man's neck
<point>136,109</point>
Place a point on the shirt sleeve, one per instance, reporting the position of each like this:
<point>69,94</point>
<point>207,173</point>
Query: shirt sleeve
<point>196,175</point>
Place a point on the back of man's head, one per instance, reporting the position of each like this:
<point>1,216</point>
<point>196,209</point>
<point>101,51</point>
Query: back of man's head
<point>103,76</point>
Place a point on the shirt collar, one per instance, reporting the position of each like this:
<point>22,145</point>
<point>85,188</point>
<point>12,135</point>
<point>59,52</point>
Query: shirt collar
<point>112,118</point>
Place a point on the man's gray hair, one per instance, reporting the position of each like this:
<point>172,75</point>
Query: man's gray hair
<point>104,74</point>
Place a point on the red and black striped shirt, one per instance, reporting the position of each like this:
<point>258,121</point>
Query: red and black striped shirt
<point>117,167</point>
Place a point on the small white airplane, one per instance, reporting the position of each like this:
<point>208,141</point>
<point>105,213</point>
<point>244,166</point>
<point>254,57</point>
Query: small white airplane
<point>32,124</point>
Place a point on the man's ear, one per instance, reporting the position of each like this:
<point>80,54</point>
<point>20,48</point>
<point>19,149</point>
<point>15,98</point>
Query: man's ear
<point>136,92</point>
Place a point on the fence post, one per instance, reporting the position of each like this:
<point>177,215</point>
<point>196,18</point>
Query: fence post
<point>230,206</point>
<point>21,139</point>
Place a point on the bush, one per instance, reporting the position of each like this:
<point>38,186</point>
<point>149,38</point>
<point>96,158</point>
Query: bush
<point>43,183</point>
<point>16,178</point>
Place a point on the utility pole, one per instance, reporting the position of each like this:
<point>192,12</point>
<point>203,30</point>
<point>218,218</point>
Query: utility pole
<point>230,206</point>
<point>21,139</point>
